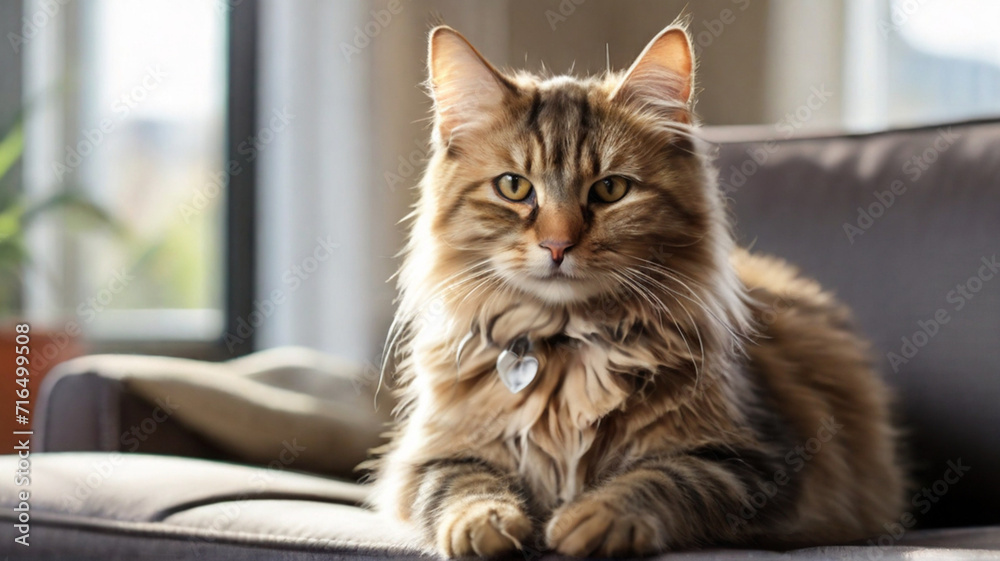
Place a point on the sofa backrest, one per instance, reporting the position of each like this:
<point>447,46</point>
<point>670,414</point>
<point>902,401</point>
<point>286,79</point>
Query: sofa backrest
<point>904,226</point>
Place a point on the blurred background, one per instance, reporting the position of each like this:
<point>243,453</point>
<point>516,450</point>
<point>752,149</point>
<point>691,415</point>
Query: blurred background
<point>204,178</point>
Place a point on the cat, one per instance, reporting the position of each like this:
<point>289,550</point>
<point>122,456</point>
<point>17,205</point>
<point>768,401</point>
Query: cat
<point>586,361</point>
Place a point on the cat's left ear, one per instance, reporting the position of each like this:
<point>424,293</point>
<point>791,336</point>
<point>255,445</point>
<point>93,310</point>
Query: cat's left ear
<point>465,86</point>
<point>664,72</point>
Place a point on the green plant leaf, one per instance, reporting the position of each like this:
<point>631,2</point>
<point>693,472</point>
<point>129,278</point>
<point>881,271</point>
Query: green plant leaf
<point>83,211</point>
<point>12,251</point>
<point>11,148</point>
<point>10,220</point>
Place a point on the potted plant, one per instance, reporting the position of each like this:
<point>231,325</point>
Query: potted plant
<point>47,345</point>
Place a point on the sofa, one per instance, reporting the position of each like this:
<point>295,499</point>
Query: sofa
<point>149,457</point>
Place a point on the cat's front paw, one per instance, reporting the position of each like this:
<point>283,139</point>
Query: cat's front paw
<point>483,528</point>
<point>595,526</point>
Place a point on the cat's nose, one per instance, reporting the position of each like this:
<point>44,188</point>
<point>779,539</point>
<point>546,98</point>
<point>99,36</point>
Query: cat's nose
<point>557,248</point>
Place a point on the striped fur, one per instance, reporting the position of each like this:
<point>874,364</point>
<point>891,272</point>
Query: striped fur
<point>688,393</point>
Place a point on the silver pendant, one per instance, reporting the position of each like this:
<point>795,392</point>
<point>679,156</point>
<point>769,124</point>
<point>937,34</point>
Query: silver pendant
<point>516,367</point>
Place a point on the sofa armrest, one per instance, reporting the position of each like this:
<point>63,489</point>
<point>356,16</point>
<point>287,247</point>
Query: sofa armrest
<point>78,411</point>
<point>245,410</point>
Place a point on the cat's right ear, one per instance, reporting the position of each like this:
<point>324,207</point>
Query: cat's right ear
<point>463,84</point>
<point>663,75</point>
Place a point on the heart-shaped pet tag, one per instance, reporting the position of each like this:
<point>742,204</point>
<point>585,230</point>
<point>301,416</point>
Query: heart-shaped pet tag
<point>516,372</point>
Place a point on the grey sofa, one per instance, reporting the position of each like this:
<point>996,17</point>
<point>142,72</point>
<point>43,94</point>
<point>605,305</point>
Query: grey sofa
<point>900,224</point>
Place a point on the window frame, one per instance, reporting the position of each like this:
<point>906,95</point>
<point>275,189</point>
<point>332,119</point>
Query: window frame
<point>240,212</point>
<point>241,197</point>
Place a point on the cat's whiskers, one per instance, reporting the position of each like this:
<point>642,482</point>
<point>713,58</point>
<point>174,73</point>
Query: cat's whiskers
<point>467,276</point>
<point>462,275</point>
<point>674,294</point>
<point>638,291</point>
<point>646,268</point>
<point>397,327</point>
<point>693,323</point>
<point>505,289</point>
<point>695,297</point>
<point>482,284</point>
<point>697,300</point>
<point>680,331</point>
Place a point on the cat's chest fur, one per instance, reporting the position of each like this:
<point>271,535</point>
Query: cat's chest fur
<point>554,432</point>
<point>559,422</point>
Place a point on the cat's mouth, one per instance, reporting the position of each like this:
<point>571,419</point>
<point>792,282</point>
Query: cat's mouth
<point>558,287</point>
<point>554,275</point>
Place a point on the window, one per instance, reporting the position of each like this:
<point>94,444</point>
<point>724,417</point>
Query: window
<point>914,62</point>
<point>133,106</point>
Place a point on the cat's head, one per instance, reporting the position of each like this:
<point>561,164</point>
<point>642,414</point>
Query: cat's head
<point>566,188</point>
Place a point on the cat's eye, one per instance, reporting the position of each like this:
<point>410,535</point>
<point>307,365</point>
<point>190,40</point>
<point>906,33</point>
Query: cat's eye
<point>609,189</point>
<point>512,187</point>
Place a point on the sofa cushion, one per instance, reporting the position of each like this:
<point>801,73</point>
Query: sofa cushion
<point>77,497</point>
<point>129,506</point>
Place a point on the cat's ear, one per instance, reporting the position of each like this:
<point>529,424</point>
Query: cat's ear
<point>464,85</point>
<point>664,71</point>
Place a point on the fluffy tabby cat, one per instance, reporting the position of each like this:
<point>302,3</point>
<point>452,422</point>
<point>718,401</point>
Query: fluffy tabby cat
<point>687,392</point>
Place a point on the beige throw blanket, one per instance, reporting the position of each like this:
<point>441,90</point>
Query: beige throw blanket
<point>250,406</point>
